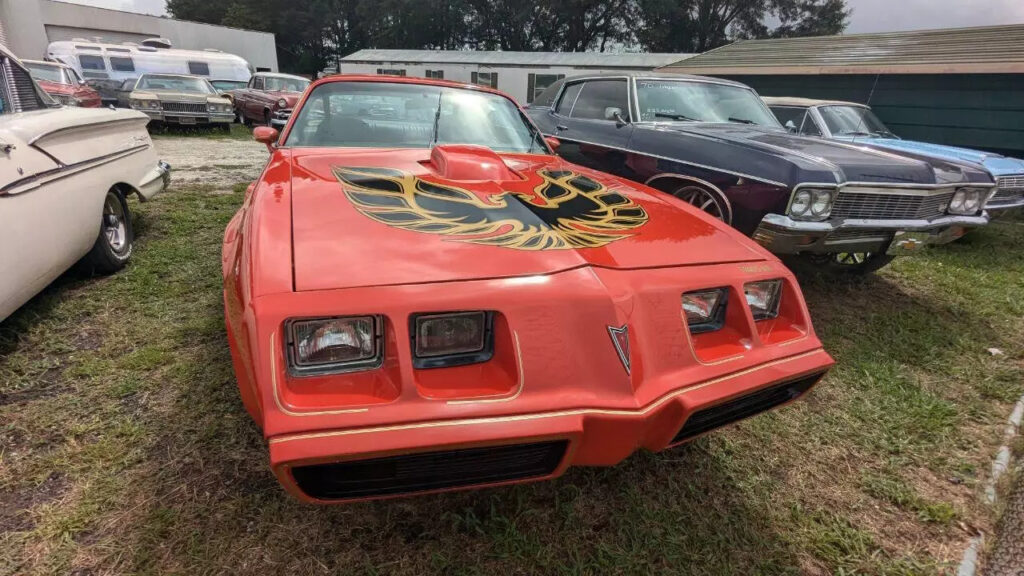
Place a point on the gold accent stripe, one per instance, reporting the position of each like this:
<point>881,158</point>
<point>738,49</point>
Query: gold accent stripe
<point>277,399</point>
<point>538,415</point>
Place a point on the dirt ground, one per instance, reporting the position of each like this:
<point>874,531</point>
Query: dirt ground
<point>220,162</point>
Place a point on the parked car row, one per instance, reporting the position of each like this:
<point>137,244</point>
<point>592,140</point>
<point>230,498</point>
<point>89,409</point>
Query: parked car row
<point>430,288</point>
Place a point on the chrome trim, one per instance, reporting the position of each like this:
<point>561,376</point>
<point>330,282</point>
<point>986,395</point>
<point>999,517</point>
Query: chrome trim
<point>64,171</point>
<point>89,125</point>
<point>648,154</point>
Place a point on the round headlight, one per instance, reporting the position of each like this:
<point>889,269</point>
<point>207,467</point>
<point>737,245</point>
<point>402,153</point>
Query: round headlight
<point>801,203</point>
<point>972,201</point>
<point>957,203</point>
<point>282,103</point>
<point>821,203</point>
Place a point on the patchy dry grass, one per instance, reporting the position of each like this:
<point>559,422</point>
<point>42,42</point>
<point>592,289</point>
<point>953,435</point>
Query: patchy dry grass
<point>124,447</point>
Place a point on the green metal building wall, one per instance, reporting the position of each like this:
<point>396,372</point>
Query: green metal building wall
<point>981,111</point>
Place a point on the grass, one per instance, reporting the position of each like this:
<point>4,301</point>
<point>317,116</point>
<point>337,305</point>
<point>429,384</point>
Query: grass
<point>237,132</point>
<point>124,447</point>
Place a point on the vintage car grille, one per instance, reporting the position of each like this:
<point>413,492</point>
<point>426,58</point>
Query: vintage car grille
<point>739,408</point>
<point>882,205</point>
<point>854,235</point>
<point>429,470</point>
<point>1011,190</point>
<point>186,107</point>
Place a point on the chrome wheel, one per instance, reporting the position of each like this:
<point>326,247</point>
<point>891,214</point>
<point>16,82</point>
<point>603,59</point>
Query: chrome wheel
<point>114,226</point>
<point>706,201</point>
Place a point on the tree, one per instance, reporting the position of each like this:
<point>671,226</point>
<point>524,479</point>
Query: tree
<point>700,25</point>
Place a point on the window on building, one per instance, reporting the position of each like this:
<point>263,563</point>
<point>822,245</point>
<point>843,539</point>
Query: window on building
<point>536,84</point>
<point>435,74</point>
<point>390,72</point>
<point>568,99</point>
<point>489,79</point>
<point>122,64</point>
<point>599,97</point>
<point>90,62</point>
<point>199,68</point>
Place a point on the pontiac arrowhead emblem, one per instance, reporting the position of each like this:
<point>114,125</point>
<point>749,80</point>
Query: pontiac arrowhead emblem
<point>620,339</point>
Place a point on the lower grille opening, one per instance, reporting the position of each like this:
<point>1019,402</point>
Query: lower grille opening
<point>411,473</point>
<point>739,408</point>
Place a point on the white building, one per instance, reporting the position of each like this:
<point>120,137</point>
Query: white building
<point>522,75</point>
<point>28,26</point>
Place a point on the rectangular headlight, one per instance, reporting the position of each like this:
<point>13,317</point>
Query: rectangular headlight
<point>763,298</point>
<point>704,310</point>
<point>451,339</point>
<point>342,344</point>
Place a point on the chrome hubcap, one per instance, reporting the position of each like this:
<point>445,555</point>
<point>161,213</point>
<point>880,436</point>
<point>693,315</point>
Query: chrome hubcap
<point>702,199</point>
<point>113,223</point>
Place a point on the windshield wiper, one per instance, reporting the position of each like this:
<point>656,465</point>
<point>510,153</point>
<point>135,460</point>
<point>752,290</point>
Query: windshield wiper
<point>741,120</point>
<point>437,118</point>
<point>681,117</point>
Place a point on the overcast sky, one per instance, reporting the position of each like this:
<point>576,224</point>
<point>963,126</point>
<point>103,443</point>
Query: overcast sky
<point>868,15</point>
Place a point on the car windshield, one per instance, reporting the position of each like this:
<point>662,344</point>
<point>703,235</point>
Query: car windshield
<point>279,84</point>
<point>398,115</point>
<point>47,73</point>
<point>689,101</point>
<point>853,121</point>
<point>174,84</point>
<point>225,85</point>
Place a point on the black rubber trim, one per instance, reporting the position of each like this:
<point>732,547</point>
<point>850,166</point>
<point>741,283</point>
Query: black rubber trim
<point>411,473</point>
<point>744,406</point>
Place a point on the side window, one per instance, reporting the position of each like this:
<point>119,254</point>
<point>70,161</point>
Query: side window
<point>199,68</point>
<point>257,83</point>
<point>90,62</point>
<point>599,99</point>
<point>536,84</point>
<point>122,64</point>
<point>568,99</point>
<point>810,127</point>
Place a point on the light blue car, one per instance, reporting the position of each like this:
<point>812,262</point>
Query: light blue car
<point>857,123</point>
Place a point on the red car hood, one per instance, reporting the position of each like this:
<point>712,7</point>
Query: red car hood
<point>55,87</point>
<point>374,217</point>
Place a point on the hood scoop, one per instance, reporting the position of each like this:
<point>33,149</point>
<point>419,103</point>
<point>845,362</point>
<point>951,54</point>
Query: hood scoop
<point>466,163</point>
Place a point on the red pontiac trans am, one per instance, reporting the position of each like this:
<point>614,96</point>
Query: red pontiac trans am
<point>421,296</point>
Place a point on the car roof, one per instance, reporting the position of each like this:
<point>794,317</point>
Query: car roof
<point>658,76</point>
<point>280,75</point>
<point>806,102</point>
<point>46,63</point>
<point>385,79</point>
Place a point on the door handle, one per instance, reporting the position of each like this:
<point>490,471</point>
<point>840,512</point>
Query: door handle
<point>561,128</point>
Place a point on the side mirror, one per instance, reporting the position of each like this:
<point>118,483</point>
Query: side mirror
<point>614,113</point>
<point>791,126</point>
<point>553,142</point>
<point>266,135</point>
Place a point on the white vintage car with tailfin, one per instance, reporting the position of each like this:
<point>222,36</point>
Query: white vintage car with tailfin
<point>66,175</point>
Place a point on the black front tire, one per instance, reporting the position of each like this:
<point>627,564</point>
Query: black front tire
<point>114,245</point>
<point>267,119</point>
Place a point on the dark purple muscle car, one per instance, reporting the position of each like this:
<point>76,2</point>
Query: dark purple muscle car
<point>715,144</point>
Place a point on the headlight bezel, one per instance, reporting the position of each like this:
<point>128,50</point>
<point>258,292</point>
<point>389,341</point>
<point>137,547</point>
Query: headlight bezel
<point>968,200</point>
<point>281,103</point>
<point>478,355</point>
<point>715,316</point>
<point>305,368</point>
<point>811,202</point>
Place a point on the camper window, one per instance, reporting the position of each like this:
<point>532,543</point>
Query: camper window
<point>122,64</point>
<point>90,62</point>
<point>199,68</point>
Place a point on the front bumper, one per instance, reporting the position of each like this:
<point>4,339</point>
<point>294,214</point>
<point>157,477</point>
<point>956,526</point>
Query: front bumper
<point>343,465</point>
<point>205,118</point>
<point>280,118</point>
<point>1006,200</point>
<point>784,235</point>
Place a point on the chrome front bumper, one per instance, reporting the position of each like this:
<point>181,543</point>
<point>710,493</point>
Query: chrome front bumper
<point>200,117</point>
<point>280,118</point>
<point>783,235</point>
<point>1009,202</point>
<point>156,180</point>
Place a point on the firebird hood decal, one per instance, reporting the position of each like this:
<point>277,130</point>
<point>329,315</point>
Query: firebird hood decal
<point>566,211</point>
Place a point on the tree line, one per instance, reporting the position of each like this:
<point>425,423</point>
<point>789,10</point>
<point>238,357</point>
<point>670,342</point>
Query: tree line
<point>314,34</point>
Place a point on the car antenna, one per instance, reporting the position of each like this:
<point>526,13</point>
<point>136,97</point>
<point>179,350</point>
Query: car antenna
<point>862,125</point>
